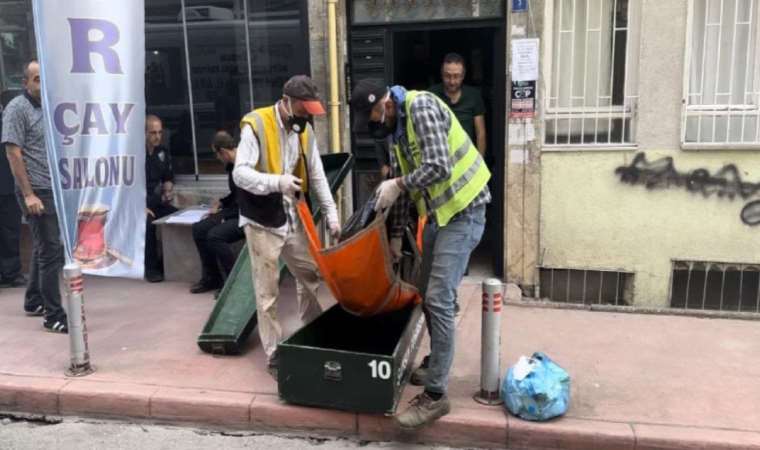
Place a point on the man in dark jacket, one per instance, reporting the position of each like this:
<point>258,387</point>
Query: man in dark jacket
<point>10,225</point>
<point>159,179</point>
<point>214,234</point>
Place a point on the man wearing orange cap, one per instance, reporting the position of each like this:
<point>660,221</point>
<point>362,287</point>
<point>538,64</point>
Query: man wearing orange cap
<point>277,159</point>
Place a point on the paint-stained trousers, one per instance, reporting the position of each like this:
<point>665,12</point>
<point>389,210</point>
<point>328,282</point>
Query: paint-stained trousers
<point>265,248</point>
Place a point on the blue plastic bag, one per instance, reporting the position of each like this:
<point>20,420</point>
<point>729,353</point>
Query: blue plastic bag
<point>536,388</point>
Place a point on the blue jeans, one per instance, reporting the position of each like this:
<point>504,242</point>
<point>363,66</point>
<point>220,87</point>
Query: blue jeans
<point>445,254</point>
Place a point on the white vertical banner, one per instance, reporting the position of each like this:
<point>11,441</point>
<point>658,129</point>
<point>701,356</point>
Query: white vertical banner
<point>92,68</point>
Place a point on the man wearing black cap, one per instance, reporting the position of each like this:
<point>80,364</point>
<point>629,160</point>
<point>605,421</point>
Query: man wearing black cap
<point>277,159</point>
<point>435,164</point>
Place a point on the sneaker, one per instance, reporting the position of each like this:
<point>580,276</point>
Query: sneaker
<point>423,410</point>
<point>205,286</point>
<point>37,311</point>
<point>419,376</point>
<point>56,325</point>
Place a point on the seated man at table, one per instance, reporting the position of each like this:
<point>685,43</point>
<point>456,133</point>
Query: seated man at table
<point>214,234</point>
<point>159,180</point>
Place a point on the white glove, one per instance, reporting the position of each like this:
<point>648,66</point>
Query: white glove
<point>396,248</point>
<point>334,230</point>
<point>289,184</point>
<point>387,193</point>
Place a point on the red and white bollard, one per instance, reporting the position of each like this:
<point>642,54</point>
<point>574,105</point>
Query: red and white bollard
<point>490,343</point>
<point>80,354</point>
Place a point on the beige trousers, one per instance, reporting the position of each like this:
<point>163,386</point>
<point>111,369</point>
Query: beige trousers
<point>264,249</point>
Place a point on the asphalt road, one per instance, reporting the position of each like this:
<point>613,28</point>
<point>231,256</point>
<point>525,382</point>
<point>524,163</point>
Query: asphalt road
<point>84,434</point>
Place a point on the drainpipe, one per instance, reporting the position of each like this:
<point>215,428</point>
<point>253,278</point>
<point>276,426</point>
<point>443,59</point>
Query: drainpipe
<point>334,104</point>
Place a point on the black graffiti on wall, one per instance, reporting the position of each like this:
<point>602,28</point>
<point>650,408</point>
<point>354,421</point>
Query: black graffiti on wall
<point>726,182</point>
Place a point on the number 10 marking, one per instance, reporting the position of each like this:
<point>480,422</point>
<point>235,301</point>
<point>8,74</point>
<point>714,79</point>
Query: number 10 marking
<point>380,369</point>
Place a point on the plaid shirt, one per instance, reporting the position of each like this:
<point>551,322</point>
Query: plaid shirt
<point>431,121</point>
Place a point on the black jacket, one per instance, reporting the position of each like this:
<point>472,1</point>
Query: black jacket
<point>230,208</point>
<point>6,176</point>
<point>158,170</point>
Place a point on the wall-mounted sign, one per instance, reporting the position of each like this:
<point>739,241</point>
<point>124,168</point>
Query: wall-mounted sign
<point>523,99</point>
<point>519,5</point>
<point>524,59</point>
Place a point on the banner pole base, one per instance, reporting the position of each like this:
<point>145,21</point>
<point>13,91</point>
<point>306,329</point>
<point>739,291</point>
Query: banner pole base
<point>488,398</point>
<point>80,370</point>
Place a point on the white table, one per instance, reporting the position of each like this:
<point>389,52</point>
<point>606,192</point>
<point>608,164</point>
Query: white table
<point>181,259</point>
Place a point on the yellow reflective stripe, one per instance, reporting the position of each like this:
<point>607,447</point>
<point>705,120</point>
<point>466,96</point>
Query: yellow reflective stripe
<point>460,152</point>
<point>451,190</point>
<point>257,124</point>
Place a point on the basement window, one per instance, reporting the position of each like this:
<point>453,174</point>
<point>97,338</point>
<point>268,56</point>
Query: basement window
<point>586,286</point>
<point>715,286</point>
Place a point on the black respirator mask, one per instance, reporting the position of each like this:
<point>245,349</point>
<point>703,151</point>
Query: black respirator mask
<point>379,130</point>
<point>297,124</point>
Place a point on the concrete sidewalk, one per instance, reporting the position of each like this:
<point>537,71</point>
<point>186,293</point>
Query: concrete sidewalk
<point>638,381</point>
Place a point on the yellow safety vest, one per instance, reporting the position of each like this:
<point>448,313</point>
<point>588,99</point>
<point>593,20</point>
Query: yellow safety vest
<point>264,124</point>
<point>469,173</point>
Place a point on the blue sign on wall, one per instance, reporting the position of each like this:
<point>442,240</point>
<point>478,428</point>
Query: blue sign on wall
<point>519,5</point>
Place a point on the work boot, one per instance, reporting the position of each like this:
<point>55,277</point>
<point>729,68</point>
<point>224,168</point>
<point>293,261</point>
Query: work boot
<point>423,410</point>
<point>272,365</point>
<point>419,376</point>
<point>272,370</point>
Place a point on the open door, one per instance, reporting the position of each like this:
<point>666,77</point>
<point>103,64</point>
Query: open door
<point>411,55</point>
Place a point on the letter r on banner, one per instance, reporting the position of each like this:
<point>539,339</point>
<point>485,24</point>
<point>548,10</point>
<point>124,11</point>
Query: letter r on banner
<point>82,46</point>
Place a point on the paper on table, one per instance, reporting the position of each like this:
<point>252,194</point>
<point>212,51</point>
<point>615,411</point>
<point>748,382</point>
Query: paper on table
<point>188,216</point>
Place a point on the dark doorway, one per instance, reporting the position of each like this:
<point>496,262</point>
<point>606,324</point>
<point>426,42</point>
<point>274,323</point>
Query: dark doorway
<point>411,55</point>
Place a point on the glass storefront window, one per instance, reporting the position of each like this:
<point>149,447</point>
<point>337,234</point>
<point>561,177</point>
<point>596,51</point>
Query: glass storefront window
<point>166,93</point>
<point>239,54</point>
<point>17,45</point>
<point>279,46</point>
<point>227,63</point>
<point>217,38</point>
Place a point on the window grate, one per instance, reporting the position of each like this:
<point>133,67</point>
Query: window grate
<point>586,286</point>
<point>722,79</point>
<point>715,286</point>
<point>592,91</point>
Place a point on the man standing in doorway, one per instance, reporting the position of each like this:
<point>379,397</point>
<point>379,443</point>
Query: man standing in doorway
<point>214,234</point>
<point>24,139</point>
<point>277,160</point>
<point>434,163</point>
<point>159,179</point>
<point>10,225</point>
<point>464,100</point>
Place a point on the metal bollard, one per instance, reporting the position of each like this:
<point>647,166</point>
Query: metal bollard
<point>490,343</point>
<point>80,354</point>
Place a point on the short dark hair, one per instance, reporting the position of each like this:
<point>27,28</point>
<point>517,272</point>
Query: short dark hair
<point>223,140</point>
<point>453,58</point>
<point>26,68</point>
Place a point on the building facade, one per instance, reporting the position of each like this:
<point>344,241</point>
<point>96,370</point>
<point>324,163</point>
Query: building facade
<point>646,157</point>
<point>630,175</point>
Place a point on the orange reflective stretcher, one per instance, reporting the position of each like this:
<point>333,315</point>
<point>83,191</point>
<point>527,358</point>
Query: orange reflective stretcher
<point>359,271</point>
